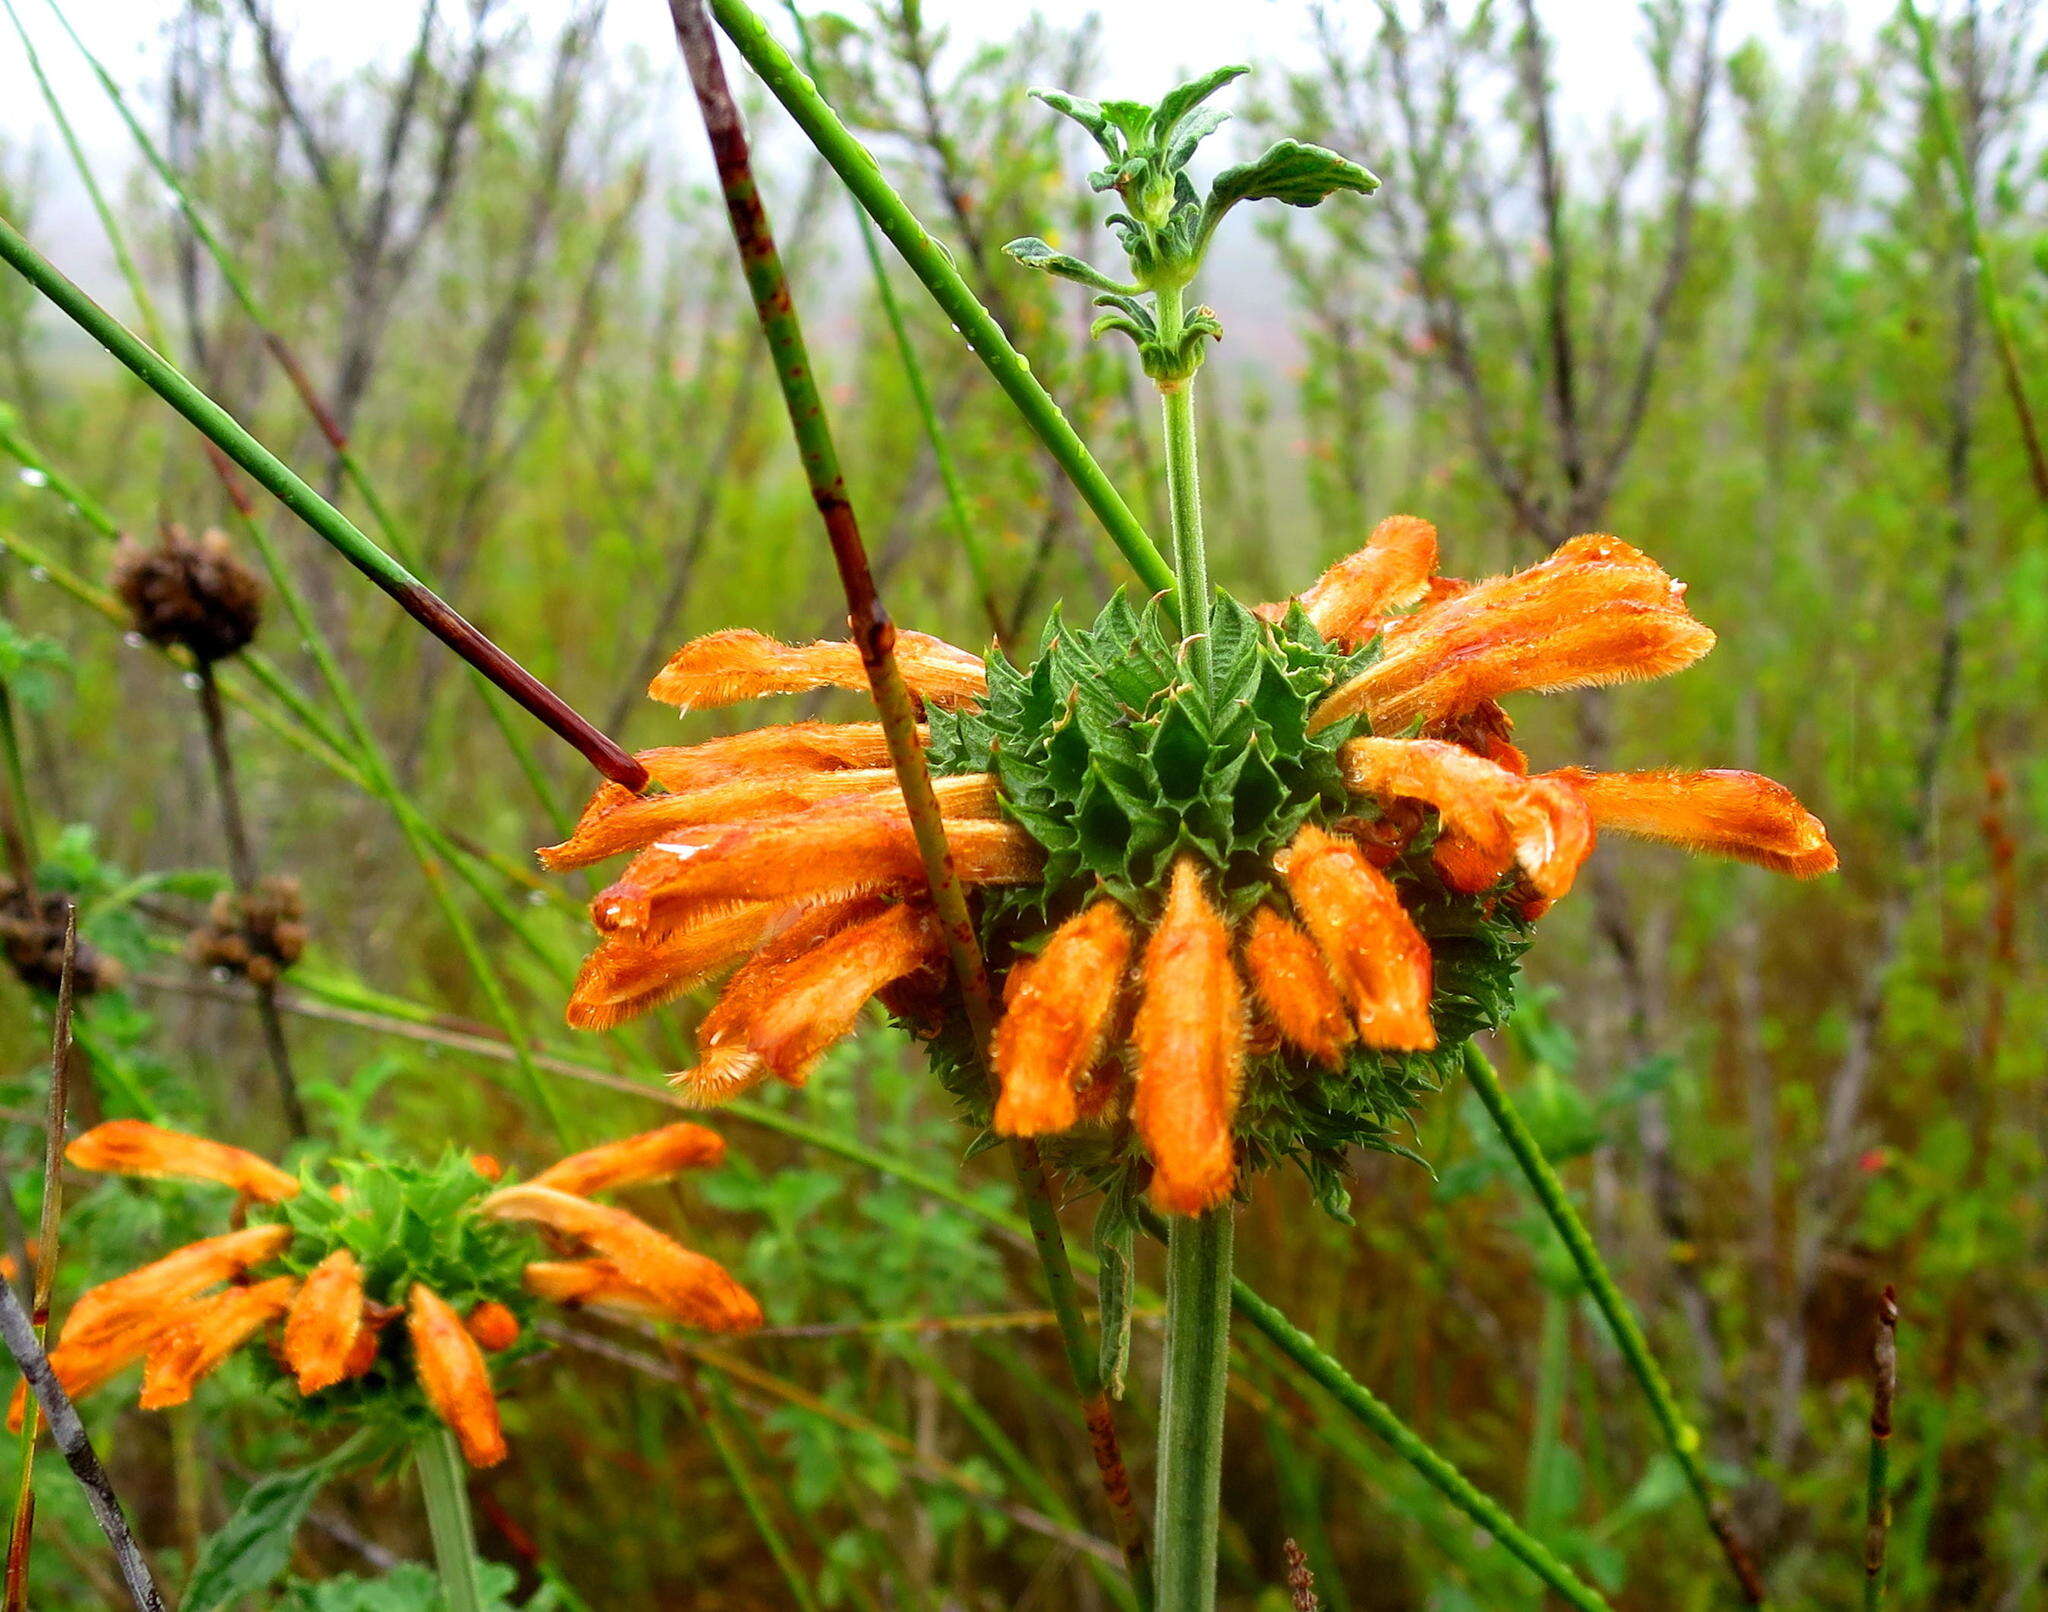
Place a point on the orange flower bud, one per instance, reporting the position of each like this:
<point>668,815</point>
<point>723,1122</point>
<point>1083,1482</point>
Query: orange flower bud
<point>797,997</point>
<point>451,1371</point>
<point>488,1165</point>
<point>1499,815</point>
<point>1292,983</point>
<point>831,851</point>
<point>635,1160</point>
<point>629,974</point>
<point>1392,571</point>
<point>1380,964</point>
<point>1595,612</point>
<point>131,1147</point>
<point>325,1322</point>
<point>1058,1008</point>
<point>1738,814</point>
<point>738,664</point>
<point>203,1333</point>
<point>1189,1040</point>
<point>493,1326</point>
<point>687,1285</point>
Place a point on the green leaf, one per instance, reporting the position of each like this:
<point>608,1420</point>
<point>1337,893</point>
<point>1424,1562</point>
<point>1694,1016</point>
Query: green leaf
<point>1290,171</point>
<point>1036,254</point>
<point>1115,1227</point>
<point>1086,113</point>
<point>252,1549</point>
<point>1178,102</point>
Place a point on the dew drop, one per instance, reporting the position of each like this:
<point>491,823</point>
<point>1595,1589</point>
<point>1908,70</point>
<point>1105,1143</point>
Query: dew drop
<point>132,639</point>
<point>36,573</point>
<point>192,680</point>
<point>29,476</point>
<point>536,898</point>
<point>219,975</point>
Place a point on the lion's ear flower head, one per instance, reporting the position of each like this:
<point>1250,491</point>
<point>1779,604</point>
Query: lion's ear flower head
<point>1233,925</point>
<point>325,1268</point>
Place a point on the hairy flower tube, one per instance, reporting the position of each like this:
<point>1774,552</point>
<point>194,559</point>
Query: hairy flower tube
<point>1236,923</point>
<point>384,1290</point>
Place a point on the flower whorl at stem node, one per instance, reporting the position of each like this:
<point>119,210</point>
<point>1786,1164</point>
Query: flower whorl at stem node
<point>191,592</point>
<point>1237,920</point>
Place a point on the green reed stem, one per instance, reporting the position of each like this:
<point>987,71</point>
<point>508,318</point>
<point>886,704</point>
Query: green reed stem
<point>222,429</point>
<point>1184,494</point>
<point>875,635</point>
<point>862,175</point>
<point>1191,1401</point>
<point>1981,248</point>
<point>1680,1436</point>
<point>1445,1478</point>
<point>1877,1487</point>
<point>444,1486</point>
<point>712,1406</point>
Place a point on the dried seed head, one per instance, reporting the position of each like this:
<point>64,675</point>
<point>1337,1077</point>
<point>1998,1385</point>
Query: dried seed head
<point>258,936</point>
<point>32,941</point>
<point>190,592</point>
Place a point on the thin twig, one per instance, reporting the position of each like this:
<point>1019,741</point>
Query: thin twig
<point>874,633</point>
<point>1877,1499</point>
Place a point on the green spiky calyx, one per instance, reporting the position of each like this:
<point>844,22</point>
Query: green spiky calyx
<point>1116,764</point>
<point>404,1223</point>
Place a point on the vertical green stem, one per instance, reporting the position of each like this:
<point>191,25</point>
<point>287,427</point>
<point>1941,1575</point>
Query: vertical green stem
<point>1198,1258</point>
<point>1184,495</point>
<point>1682,1438</point>
<point>444,1488</point>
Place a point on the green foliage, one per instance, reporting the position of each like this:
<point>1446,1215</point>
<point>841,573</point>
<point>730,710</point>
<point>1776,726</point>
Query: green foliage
<point>251,1550</point>
<point>410,1587</point>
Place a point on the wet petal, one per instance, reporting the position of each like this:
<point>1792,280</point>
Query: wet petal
<point>1292,983</point>
<point>1498,814</point>
<point>325,1321</point>
<point>130,1147</point>
<point>1188,1038</point>
<point>1738,814</point>
<point>630,974</point>
<point>685,1284</point>
<point>635,1160</point>
<point>204,1332</point>
<point>1380,963</point>
<point>1596,612</point>
<point>739,664</point>
<point>452,1373</point>
<point>1392,571</point>
<point>1058,1007</point>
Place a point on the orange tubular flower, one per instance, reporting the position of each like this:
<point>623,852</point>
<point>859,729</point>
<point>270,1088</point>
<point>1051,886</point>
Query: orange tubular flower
<point>1058,1007</point>
<point>594,1284</point>
<point>325,1320</point>
<point>178,1319</point>
<point>130,1147</point>
<point>1380,963</point>
<point>688,1286</point>
<point>1738,814</point>
<point>204,1332</point>
<point>1354,845</point>
<point>453,1375</point>
<point>1189,1043</point>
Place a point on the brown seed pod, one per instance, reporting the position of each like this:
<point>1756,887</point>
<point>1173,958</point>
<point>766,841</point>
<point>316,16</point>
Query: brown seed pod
<point>192,592</point>
<point>32,940</point>
<point>258,937</point>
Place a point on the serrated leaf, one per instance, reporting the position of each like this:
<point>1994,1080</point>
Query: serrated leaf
<point>1289,171</point>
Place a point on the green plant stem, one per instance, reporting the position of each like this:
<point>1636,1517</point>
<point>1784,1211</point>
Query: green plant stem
<point>1981,250</point>
<point>874,634</point>
<point>20,822</point>
<point>1680,1436</point>
<point>862,175</point>
<point>1191,1400</point>
<point>444,1486</point>
<point>327,522</point>
<point>1184,495</point>
<point>712,1408</point>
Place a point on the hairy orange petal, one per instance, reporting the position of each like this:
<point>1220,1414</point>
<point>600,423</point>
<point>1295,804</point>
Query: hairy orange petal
<point>1391,572</point>
<point>325,1321</point>
<point>204,1333</point>
<point>131,1147</point>
<point>1380,963</point>
<point>596,1284</point>
<point>739,664</point>
<point>686,1284</point>
<point>832,851</point>
<point>144,1295</point>
<point>787,1006</point>
<point>452,1373</point>
<point>636,824</point>
<point>1058,1007</point>
<point>635,1160</point>
<point>1597,611</point>
<point>492,1325</point>
<point>1738,814</point>
<point>1500,813</point>
<point>1292,983</point>
<point>630,974</point>
<point>1189,1040</point>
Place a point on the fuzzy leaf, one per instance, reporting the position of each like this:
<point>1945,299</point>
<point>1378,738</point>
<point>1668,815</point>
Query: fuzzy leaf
<point>1036,254</point>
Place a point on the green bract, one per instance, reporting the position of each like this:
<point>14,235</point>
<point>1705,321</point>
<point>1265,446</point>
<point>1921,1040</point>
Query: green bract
<point>1116,764</point>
